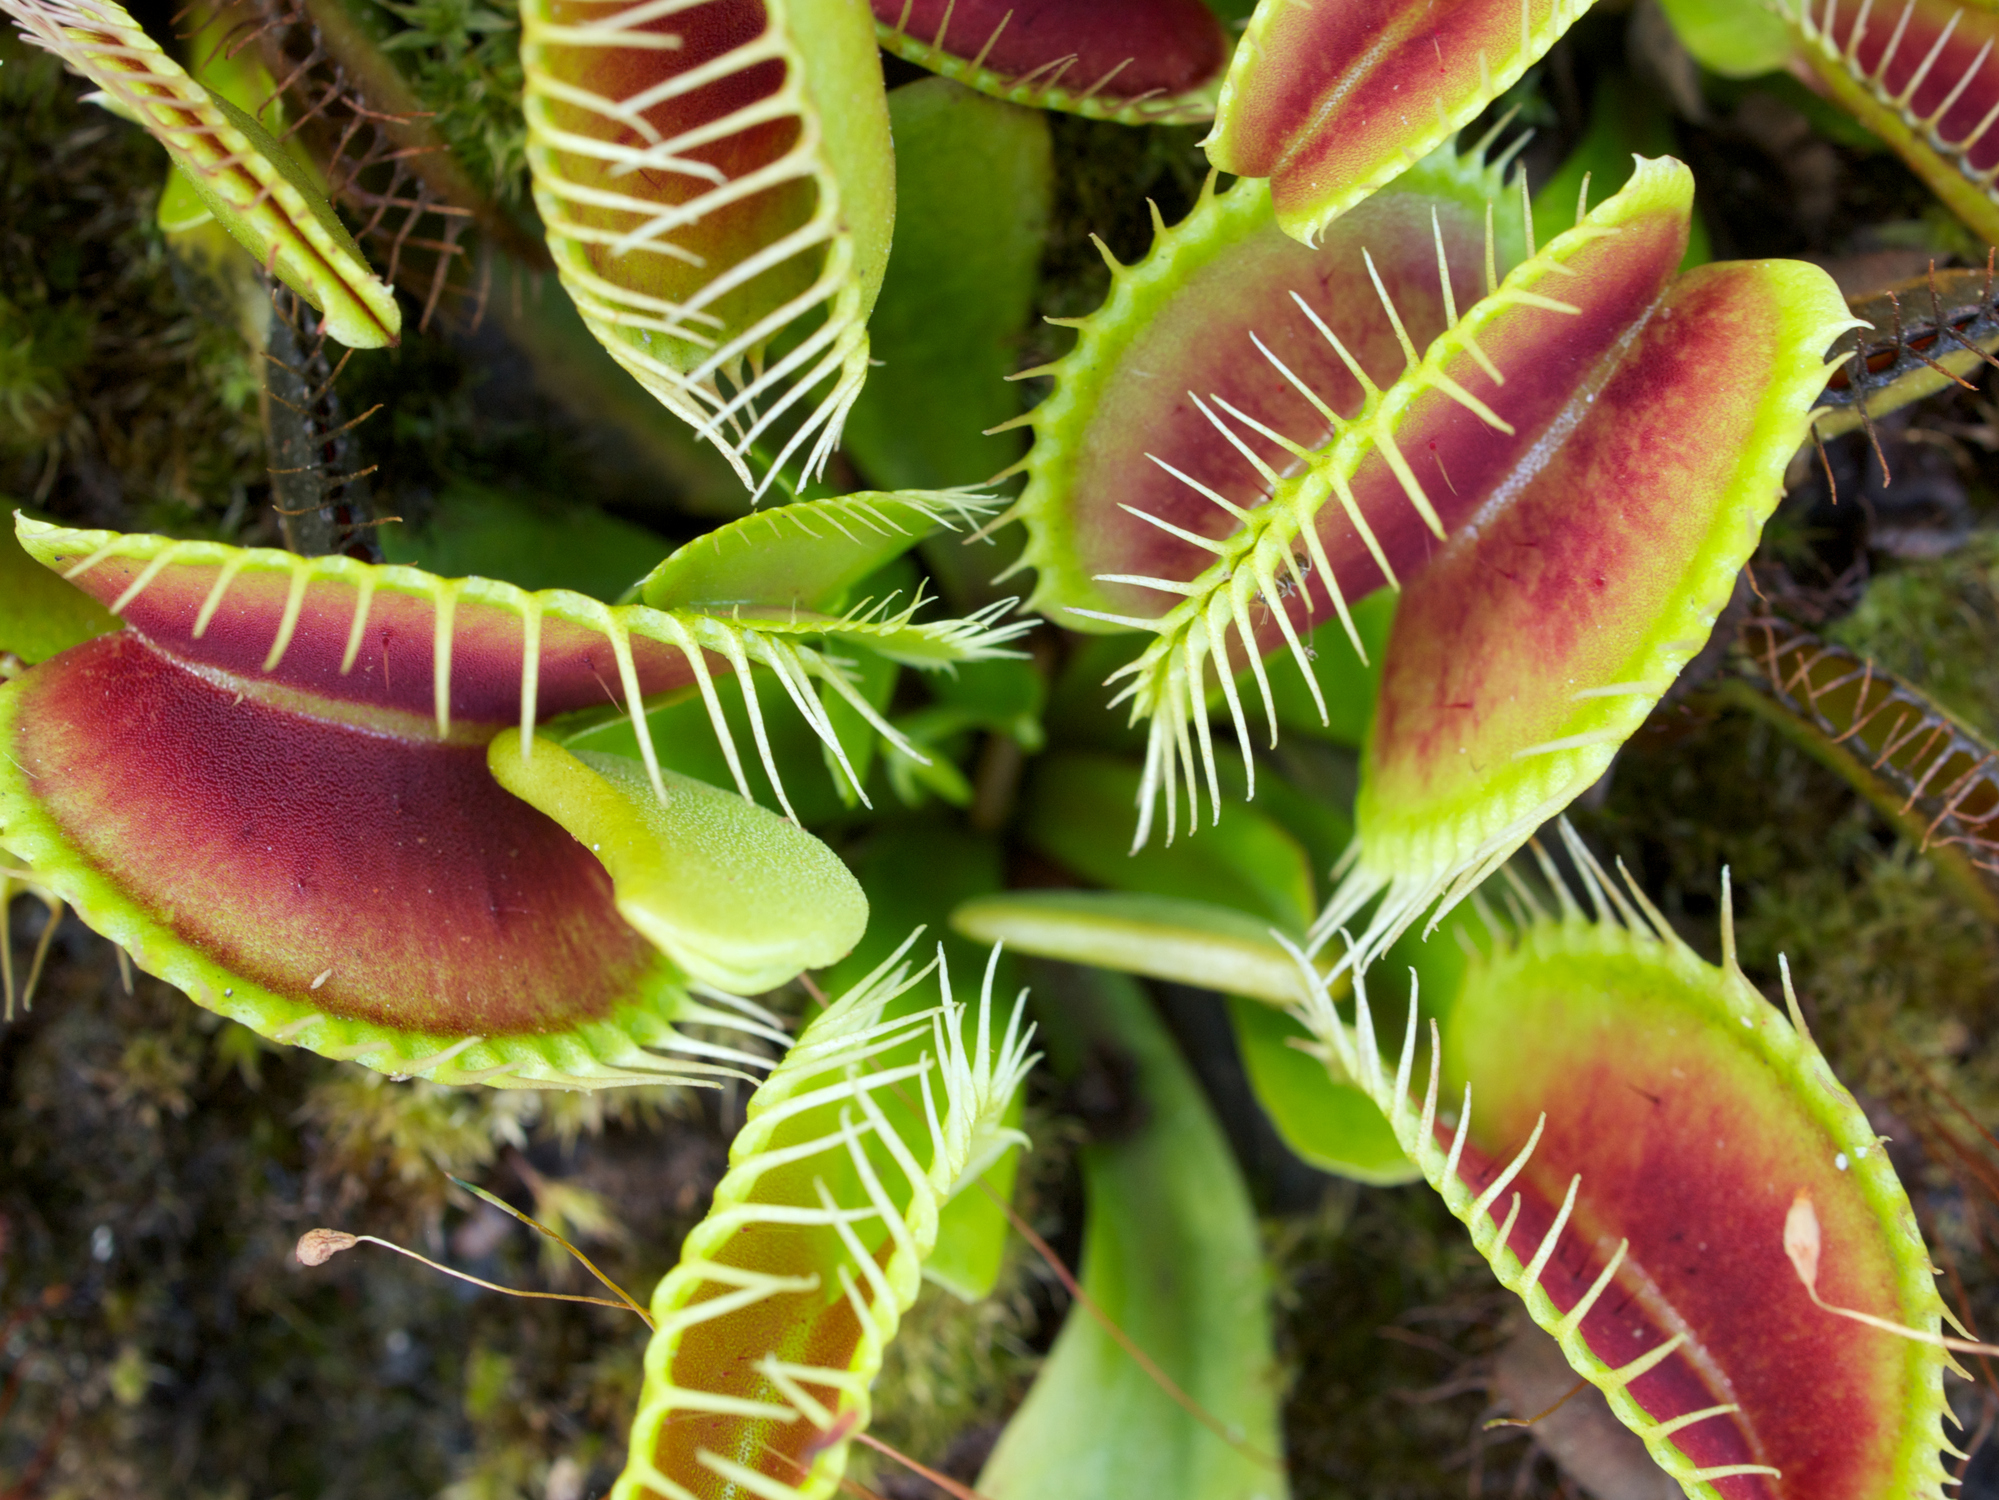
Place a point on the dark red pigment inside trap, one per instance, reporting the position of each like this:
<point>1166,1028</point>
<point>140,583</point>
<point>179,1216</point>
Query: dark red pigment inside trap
<point>286,848</point>
<point>1706,1230</point>
<point>1121,48</point>
<point>1905,35</point>
<point>1202,344</point>
<point>711,242</point>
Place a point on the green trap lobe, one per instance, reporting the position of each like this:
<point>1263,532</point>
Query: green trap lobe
<point>1148,416</point>
<point>670,47</point>
<point>807,555</point>
<point>771,1328</point>
<point>717,185</point>
<point>734,894</point>
<point>393,660</point>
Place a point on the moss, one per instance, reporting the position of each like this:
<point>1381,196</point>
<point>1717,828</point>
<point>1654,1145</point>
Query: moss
<point>1936,624</point>
<point>156,1175</point>
<point>464,58</point>
<point>120,401</point>
<point>1386,1317</point>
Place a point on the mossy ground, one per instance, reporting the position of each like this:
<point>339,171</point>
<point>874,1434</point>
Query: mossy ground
<point>157,1165</point>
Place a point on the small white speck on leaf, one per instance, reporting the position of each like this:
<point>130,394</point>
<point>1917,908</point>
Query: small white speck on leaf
<point>324,975</point>
<point>1840,1161</point>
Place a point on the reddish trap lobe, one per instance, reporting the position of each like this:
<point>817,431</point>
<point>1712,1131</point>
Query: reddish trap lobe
<point>814,1328</point>
<point>719,1356</point>
<point>1201,343</point>
<point>1906,37</point>
<point>1337,85</point>
<point>394,666</point>
<point>1157,46</point>
<point>1554,364</point>
<point>283,847</point>
<point>1672,1158</point>
<point>1562,584</point>
<point>710,243</point>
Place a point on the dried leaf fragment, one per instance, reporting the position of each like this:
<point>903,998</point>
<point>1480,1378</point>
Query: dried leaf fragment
<point>317,1246</point>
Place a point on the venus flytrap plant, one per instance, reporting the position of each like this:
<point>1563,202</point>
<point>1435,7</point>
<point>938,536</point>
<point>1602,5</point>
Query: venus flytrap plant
<point>1564,492</point>
<point>1920,74</point>
<point>1224,344</point>
<point>1912,340</point>
<point>770,1330</point>
<point>253,186</point>
<point>1636,1128</point>
<point>1332,102</point>
<point>1158,62</point>
<point>445,827</point>
<point>1931,775</point>
<point>333,747</point>
<point>718,187</point>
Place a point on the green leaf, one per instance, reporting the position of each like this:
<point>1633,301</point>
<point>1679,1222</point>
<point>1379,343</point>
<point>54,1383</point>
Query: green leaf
<point>1079,812</point>
<point>39,613</point>
<point>803,556</point>
<point>1332,1125</point>
<point>1188,942</point>
<point>1731,38</point>
<point>492,533</point>
<point>974,188</point>
<point>1171,1255</point>
<point>735,895</point>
